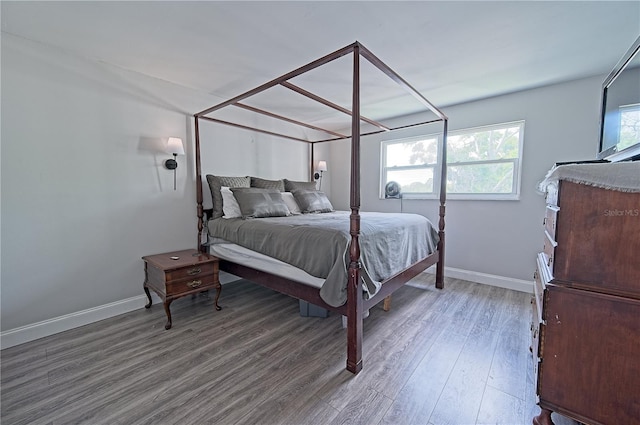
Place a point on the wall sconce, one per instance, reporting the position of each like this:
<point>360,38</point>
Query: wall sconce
<point>175,147</point>
<point>322,167</point>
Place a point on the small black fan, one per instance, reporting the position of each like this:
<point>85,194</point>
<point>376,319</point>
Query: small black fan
<point>392,190</point>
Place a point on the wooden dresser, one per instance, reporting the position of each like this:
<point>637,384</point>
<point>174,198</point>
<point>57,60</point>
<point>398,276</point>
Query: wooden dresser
<point>586,308</point>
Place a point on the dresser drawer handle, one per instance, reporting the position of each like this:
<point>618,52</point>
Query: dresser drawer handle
<point>194,284</point>
<point>194,272</point>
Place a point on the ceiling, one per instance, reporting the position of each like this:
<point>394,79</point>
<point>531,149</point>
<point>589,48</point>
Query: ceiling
<point>451,51</point>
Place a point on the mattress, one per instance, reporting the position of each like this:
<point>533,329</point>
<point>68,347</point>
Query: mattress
<point>246,257</point>
<point>318,244</point>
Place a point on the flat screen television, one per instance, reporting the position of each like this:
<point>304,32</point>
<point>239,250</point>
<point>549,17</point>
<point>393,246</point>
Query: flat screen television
<point>620,118</point>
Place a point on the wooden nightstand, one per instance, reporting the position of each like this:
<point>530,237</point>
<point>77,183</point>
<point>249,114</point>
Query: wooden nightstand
<point>175,274</point>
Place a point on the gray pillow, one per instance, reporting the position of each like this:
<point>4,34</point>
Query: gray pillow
<point>216,182</point>
<point>290,186</point>
<point>256,203</point>
<point>267,184</point>
<point>312,201</point>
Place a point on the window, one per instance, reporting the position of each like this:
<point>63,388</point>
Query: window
<point>412,163</point>
<point>485,161</point>
<point>482,163</point>
<point>629,126</point>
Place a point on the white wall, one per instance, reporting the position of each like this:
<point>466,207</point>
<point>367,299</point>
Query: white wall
<point>84,191</point>
<point>227,151</point>
<point>84,194</point>
<point>494,237</point>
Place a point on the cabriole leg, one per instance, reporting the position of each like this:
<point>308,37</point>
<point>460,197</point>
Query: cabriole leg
<point>146,291</point>
<point>166,310</point>
<point>544,418</point>
<point>218,291</point>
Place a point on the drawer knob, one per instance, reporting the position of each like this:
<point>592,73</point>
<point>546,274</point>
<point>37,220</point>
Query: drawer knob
<point>194,271</point>
<point>194,283</point>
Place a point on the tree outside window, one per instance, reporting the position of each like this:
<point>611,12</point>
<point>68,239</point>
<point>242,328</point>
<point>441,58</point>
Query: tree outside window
<point>482,163</point>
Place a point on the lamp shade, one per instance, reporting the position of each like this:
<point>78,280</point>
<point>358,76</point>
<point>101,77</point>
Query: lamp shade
<point>322,166</point>
<point>175,146</point>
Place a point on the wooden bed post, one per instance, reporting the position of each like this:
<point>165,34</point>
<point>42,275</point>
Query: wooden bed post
<point>199,245</point>
<point>443,198</point>
<point>312,150</point>
<point>354,285</point>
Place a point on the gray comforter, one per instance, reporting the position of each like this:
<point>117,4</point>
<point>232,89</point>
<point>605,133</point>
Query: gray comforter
<point>319,245</point>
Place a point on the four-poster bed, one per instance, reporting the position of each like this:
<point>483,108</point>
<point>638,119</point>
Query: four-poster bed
<point>355,303</point>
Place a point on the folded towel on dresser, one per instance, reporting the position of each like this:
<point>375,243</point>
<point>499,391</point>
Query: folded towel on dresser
<point>621,176</point>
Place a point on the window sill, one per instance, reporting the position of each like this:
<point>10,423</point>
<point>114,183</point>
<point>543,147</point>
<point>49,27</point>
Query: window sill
<point>460,197</point>
<point>483,197</point>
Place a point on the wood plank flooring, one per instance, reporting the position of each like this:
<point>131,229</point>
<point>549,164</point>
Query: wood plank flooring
<point>456,356</point>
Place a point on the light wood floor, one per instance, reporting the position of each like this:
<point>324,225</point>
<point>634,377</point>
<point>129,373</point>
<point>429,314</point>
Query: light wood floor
<point>454,356</point>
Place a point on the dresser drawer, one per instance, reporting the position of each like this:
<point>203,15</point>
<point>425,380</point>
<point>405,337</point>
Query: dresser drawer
<point>538,289</point>
<point>549,249</point>
<point>589,348</point>
<point>541,276</point>
<point>598,240</point>
<point>535,335</point>
<point>550,220</point>
<point>551,195</point>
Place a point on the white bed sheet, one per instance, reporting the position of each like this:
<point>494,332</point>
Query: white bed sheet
<point>246,257</point>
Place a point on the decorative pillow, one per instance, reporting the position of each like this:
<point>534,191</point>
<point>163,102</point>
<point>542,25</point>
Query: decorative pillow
<point>216,182</point>
<point>290,186</point>
<point>256,203</point>
<point>312,201</point>
<point>230,207</point>
<point>291,203</point>
<point>267,184</point>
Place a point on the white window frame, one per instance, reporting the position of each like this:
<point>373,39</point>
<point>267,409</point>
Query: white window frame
<point>435,166</point>
<point>517,164</point>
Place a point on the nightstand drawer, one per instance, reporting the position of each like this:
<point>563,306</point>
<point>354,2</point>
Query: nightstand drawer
<point>194,271</point>
<point>189,284</point>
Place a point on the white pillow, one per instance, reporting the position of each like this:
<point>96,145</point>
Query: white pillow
<point>291,203</point>
<point>230,207</point>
